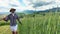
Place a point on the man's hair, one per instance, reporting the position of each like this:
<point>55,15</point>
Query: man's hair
<point>12,9</point>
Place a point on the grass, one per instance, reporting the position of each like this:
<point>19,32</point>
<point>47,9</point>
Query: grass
<point>40,24</point>
<point>48,24</point>
<point>5,29</point>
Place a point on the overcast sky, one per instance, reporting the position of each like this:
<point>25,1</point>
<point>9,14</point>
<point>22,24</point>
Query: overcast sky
<point>22,5</point>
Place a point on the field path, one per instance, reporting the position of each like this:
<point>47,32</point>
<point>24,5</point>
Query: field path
<point>5,29</point>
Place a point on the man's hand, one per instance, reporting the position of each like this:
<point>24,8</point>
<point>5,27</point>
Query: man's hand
<point>20,23</point>
<point>1,19</point>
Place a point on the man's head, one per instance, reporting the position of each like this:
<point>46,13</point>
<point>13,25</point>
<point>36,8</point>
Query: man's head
<point>12,10</point>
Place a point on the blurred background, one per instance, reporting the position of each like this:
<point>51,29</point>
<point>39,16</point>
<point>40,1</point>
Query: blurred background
<point>37,16</point>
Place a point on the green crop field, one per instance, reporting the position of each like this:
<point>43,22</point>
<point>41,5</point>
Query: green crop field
<point>39,24</point>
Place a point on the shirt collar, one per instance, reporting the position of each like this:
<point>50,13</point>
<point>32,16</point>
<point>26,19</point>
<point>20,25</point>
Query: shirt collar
<point>13,14</point>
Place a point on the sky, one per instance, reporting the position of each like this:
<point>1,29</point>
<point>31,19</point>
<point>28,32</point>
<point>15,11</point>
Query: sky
<point>21,5</point>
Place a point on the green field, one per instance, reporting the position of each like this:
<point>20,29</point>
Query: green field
<point>5,29</point>
<point>40,24</point>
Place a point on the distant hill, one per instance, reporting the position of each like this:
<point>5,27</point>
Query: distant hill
<point>32,11</point>
<point>49,10</point>
<point>28,11</point>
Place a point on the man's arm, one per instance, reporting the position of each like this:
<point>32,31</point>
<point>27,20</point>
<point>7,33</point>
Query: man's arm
<point>19,20</point>
<point>6,18</point>
<point>1,19</point>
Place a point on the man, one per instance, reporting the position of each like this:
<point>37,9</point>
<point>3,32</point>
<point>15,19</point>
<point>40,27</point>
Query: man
<point>12,17</point>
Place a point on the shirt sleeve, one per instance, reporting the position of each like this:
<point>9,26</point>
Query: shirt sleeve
<point>7,18</point>
<point>17,16</point>
<point>19,20</point>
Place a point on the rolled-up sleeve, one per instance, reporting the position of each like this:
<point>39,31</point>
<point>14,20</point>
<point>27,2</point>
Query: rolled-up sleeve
<point>17,17</point>
<point>7,18</point>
